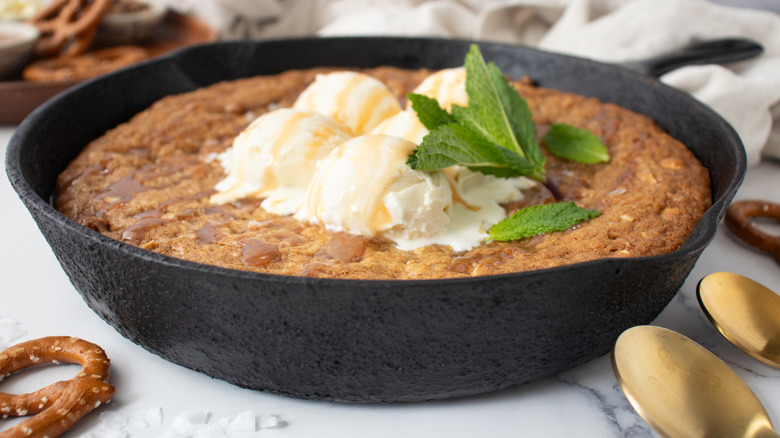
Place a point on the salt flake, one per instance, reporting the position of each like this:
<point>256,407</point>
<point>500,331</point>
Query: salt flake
<point>103,432</point>
<point>187,422</point>
<point>152,416</point>
<point>244,422</point>
<point>270,421</point>
<point>208,431</point>
<point>113,420</point>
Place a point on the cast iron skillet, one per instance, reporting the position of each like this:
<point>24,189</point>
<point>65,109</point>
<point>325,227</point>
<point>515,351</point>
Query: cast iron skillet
<point>351,340</point>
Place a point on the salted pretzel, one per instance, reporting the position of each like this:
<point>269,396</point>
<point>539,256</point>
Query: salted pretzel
<point>83,66</point>
<point>68,27</point>
<point>738,221</point>
<point>58,406</point>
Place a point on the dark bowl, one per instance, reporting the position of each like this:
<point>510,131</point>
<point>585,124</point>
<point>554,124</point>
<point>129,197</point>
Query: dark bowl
<point>351,340</point>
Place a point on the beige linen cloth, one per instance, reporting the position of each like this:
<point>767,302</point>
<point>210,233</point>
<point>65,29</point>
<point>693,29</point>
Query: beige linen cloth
<point>747,94</point>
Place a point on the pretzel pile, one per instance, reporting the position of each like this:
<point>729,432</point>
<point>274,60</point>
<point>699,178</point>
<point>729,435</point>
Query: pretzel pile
<point>68,27</point>
<point>738,222</point>
<point>87,65</point>
<point>57,407</point>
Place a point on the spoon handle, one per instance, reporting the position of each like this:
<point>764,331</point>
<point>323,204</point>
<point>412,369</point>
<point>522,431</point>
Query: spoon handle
<point>709,52</point>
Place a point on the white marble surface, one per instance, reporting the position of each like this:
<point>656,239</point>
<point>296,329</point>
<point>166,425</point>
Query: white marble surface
<point>38,300</point>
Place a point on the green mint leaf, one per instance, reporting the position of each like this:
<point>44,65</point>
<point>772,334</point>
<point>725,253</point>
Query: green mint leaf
<point>494,134</point>
<point>575,144</point>
<point>511,166</point>
<point>519,116</point>
<point>486,113</point>
<point>540,219</point>
<point>455,144</point>
<point>429,112</point>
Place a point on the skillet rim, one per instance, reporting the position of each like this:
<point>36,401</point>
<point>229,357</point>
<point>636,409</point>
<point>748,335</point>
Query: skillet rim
<point>699,238</point>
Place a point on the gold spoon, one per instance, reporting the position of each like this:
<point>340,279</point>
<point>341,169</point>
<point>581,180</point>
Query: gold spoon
<point>744,312</point>
<point>682,390</point>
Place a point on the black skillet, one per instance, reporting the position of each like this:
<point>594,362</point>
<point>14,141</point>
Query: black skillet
<point>350,340</point>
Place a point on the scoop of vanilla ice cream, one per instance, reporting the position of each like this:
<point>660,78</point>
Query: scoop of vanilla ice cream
<point>275,157</point>
<point>405,125</point>
<point>447,86</point>
<point>356,100</point>
<point>476,207</point>
<point>365,187</point>
<point>476,188</point>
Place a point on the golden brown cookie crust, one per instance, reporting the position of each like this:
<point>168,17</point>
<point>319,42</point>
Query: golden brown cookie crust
<point>147,182</point>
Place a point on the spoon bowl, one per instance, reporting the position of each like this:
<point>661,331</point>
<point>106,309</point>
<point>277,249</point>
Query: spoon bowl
<point>681,389</point>
<point>745,312</point>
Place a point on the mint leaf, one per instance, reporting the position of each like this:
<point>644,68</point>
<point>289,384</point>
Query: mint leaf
<point>540,219</point>
<point>495,134</point>
<point>519,116</point>
<point>575,144</point>
<point>429,112</point>
<point>453,144</point>
<point>486,112</point>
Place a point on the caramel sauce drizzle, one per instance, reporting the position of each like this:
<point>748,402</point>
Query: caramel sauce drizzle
<point>123,190</point>
<point>314,268</point>
<point>136,232</point>
<point>343,247</point>
<point>207,233</point>
<point>466,264</point>
<point>256,252</point>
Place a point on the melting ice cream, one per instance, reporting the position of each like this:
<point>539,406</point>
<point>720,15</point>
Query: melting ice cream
<point>338,158</point>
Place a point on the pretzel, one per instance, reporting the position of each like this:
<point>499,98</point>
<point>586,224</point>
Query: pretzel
<point>737,220</point>
<point>68,27</point>
<point>87,65</point>
<point>58,406</point>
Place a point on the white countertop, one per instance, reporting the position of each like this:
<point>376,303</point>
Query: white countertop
<point>38,300</point>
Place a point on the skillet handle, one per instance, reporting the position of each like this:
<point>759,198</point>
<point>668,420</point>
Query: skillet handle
<point>708,52</point>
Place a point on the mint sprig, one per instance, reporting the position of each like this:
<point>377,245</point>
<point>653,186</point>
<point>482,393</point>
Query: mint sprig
<point>496,135</point>
<point>575,144</point>
<point>540,219</point>
<point>429,112</point>
<point>496,118</point>
<point>453,143</point>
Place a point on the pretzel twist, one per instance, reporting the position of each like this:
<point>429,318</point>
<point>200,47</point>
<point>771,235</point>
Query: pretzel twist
<point>83,66</point>
<point>57,407</point>
<point>68,27</point>
<point>738,221</point>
